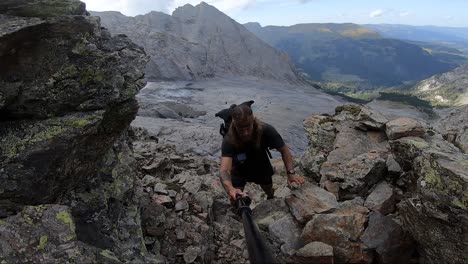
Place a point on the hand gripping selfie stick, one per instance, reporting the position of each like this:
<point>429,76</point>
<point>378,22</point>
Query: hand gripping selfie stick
<point>258,252</point>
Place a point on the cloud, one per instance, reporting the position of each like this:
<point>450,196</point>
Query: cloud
<point>377,13</point>
<point>403,14</point>
<point>223,5</point>
<point>129,7</point>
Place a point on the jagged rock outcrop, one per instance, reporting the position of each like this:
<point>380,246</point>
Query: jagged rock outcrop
<point>199,42</point>
<point>454,127</point>
<point>420,172</point>
<point>67,94</point>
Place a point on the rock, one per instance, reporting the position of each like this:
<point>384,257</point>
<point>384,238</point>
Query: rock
<point>153,219</point>
<point>148,180</point>
<point>181,206</point>
<point>268,212</point>
<point>388,239</point>
<point>162,199</point>
<point>371,119</point>
<point>191,253</point>
<point>161,188</point>
<point>435,214</point>
<point>315,252</point>
<point>309,200</point>
<point>287,232</point>
<point>193,184</point>
<point>404,127</point>
<point>63,127</point>
<point>205,200</point>
<point>340,229</point>
<point>381,199</point>
<point>180,234</point>
<point>393,168</point>
<point>38,8</point>
<point>332,187</point>
<point>454,129</point>
<point>44,233</point>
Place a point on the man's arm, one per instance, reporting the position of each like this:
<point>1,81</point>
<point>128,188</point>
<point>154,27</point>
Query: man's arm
<point>225,177</point>
<point>289,165</point>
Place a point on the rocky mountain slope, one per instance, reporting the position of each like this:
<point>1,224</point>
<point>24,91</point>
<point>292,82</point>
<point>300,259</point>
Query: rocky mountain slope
<point>350,54</point>
<point>199,42</point>
<point>450,88</point>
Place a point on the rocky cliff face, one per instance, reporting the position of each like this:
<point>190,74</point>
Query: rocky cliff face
<point>450,88</point>
<point>67,94</point>
<point>199,42</point>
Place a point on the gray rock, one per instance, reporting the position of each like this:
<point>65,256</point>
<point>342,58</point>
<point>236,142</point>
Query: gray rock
<point>193,184</point>
<point>437,207</point>
<point>287,231</point>
<point>191,253</point>
<point>371,119</point>
<point>181,206</point>
<point>315,252</point>
<point>381,199</point>
<point>454,127</point>
<point>393,167</point>
<point>148,180</point>
<point>160,188</point>
<point>45,233</point>
<point>388,239</point>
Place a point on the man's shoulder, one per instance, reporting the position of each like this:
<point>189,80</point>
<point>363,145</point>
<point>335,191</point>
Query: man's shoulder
<point>267,128</point>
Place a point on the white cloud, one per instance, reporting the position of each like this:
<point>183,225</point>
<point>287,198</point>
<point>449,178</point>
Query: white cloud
<point>403,14</point>
<point>139,7</point>
<point>376,13</point>
<point>129,7</point>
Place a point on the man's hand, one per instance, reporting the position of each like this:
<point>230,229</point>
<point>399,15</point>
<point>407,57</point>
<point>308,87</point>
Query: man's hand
<point>294,179</point>
<point>233,193</point>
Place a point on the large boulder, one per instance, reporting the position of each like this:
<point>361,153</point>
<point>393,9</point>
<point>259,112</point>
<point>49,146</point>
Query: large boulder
<point>43,234</point>
<point>347,151</point>
<point>340,229</point>
<point>436,212</point>
<point>67,94</point>
<point>42,8</point>
<point>388,239</point>
<point>404,127</point>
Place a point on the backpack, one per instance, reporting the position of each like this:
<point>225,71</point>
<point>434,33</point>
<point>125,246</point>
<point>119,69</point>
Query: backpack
<point>225,114</point>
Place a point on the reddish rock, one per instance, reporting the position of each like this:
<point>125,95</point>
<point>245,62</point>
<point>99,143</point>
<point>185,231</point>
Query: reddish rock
<point>338,229</point>
<point>314,252</point>
<point>308,201</point>
<point>404,127</point>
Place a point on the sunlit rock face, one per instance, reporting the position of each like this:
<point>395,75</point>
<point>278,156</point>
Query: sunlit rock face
<point>67,95</point>
<point>199,42</point>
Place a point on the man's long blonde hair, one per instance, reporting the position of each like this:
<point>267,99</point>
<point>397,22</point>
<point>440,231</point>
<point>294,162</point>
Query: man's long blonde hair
<point>243,114</point>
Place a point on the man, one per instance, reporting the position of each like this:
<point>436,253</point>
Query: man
<point>244,157</point>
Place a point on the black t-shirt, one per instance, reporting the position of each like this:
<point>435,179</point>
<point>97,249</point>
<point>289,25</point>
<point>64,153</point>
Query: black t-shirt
<point>252,163</point>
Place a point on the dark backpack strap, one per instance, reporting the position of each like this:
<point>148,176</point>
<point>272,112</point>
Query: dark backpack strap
<point>268,153</point>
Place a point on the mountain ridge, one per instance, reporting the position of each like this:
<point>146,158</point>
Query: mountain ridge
<point>352,54</point>
<point>199,42</point>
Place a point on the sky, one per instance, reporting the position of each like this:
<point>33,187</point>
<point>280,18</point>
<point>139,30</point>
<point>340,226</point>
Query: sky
<point>289,12</point>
